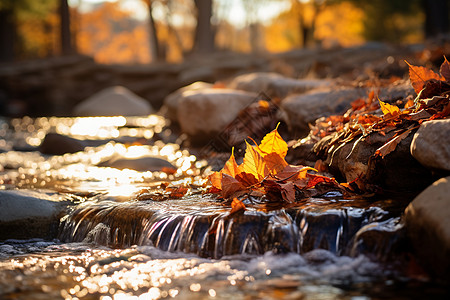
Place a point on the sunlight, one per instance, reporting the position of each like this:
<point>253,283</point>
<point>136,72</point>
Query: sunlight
<point>103,127</point>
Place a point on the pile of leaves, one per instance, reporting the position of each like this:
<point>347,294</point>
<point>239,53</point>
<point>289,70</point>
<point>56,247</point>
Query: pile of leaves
<point>265,174</point>
<point>395,123</point>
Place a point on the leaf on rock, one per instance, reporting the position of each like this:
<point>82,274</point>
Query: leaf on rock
<point>230,185</point>
<point>387,108</point>
<point>275,163</point>
<point>254,163</point>
<point>237,206</point>
<point>294,172</point>
<point>445,69</point>
<point>420,75</point>
<point>231,167</point>
<point>288,191</point>
<point>273,143</point>
<point>216,180</point>
<point>392,144</point>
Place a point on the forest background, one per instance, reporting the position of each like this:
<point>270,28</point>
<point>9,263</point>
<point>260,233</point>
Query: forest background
<point>145,31</point>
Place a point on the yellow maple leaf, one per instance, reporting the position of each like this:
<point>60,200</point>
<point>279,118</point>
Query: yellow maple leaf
<point>273,142</point>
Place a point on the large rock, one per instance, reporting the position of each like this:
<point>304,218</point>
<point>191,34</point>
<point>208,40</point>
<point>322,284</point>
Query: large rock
<point>30,214</point>
<point>203,114</point>
<point>428,225</point>
<point>114,101</point>
<point>275,85</point>
<point>57,144</point>
<point>431,144</point>
<point>306,108</point>
<point>170,106</point>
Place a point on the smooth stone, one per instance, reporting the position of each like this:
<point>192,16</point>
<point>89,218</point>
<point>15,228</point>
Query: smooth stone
<point>57,144</point>
<point>431,144</point>
<point>170,106</point>
<point>428,226</point>
<point>141,164</point>
<point>304,109</point>
<point>275,85</point>
<point>30,214</point>
<point>114,101</point>
<point>203,114</point>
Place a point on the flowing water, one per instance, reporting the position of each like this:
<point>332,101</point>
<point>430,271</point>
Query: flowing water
<point>123,237</point>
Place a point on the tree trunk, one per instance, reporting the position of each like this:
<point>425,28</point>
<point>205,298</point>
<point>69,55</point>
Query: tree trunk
<point>436,17</point>
<point>66,39</point>
<point>204,33</point>
<point>7,35</point>
<point>154,47</point>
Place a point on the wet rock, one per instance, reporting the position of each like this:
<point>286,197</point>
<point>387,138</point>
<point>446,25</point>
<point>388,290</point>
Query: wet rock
<point>275,85</point>
<point>431,144</point>
<point>203,114</point>
<point>397,171</point>
<point>170,106</point>
<point>141,164</point>
<point>428,226</point>
<point>114,101</point>
<point>199,225</point>
<point>29,214</point>
<point>306,108</point>
<point>57,144</point>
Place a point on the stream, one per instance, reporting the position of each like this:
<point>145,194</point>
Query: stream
<point>123,235</point>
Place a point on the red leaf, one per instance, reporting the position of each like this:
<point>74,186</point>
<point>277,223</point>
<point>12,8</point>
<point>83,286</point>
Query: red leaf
<point>392,143</point>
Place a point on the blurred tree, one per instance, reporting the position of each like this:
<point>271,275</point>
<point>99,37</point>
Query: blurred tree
<point>204,32</point>
<point>7,30</point>
<point>154,45</point>
<point>307,14</point>
<point>66,36</point>
<point>436,17</point>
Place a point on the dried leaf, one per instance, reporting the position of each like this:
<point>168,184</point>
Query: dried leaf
<point>387,108</point>
<point>230,185</point>
<point>273,143</point>
<point>275,163</point>
<point>179,192</point>
<point>420,75</point>
<point>237,206</point>
<point>445,69</point>
<point>216,180</point>
<point>288,191</point>
<point>392,144</point>
<point>294,172</point>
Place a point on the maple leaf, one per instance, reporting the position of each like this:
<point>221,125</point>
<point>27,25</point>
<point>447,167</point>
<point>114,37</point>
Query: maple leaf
<point>275,163</point>
<point>253,163</point>
<point>420,75</point>
<point>387,108</point>
<point>273,143</point>
<point>445,69</point>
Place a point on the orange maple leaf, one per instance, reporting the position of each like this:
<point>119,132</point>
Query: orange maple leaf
<point>273,143</point>
<point>237,206</point>
<point>253,163</point>
<point>420,75</point>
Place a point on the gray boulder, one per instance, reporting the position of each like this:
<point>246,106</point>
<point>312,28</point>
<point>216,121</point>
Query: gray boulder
<point>30,214</point>
<point>428,225</point>
<point>431,144</point>
<point>170,106</point>
<point>203,114</point>
<point>114,101</point>
<point>275,85</point>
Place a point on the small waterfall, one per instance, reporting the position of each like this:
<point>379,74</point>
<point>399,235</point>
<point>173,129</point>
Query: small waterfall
<point>206,229</point>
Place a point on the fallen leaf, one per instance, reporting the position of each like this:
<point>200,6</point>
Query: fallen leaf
<point>420,75</point>
<point>253,163</point>
<point>445,69</point>
<point>273,143</point>
<point>390,146</point>
<point>231,167</point>
<point>387,108</point>
<point>288,191</point>
<point>275,163</point>
<point>230,185</point>
<point>178,192</point>
<point>237,206</point>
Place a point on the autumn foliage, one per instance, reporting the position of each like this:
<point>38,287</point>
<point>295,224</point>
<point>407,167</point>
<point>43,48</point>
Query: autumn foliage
<point>264,172</point>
